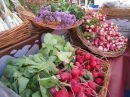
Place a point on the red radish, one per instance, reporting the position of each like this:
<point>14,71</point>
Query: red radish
<point>65,76</point>
<point>92,85</point>
<point>76,78</point>
<point>77,64</point>
<point>95,74</point>
<point>81,94</point>
<point>75,71</point>
<point>76,88</point>
<point>97,67</point>
<point>73,82</point>
<point>62,93</point>
<point>81,60</point>
<point>88,67</point>
<point>93,63</point>
<point>82,72</point>
<point>101,73</point>
<point>53,90</point>
<point>71,94</point>
<point>77,57</point>
<point>87,56</point>
<point>88,92</point>
<point>59,70</point>
<point>99,81</point>
<point>83,53</point>
<point>78,52</point>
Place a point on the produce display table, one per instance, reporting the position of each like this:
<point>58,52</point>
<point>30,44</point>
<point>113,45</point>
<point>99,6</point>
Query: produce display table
<point>32,45</point>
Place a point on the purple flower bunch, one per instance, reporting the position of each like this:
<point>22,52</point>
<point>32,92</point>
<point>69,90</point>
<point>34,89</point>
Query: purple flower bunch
<point>66,20</point>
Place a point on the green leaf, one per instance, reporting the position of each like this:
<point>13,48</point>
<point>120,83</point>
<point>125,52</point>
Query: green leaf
<point>47,82</point>
<point>52,58</point>
<point>59,46</point>
<point>15,86</point>
<point>49,39</point>
<point>22,82</point>
<point>64,55</point>
<point>17,74</point>
<point>43,91</point>
<point>26,93</point>
<point>54,51</point>
<point>98,88</point>
<point>68,47</point>
<point>49,67</point>
<point>61,40</point>
<point>36,94</point>
<point>89,76</point>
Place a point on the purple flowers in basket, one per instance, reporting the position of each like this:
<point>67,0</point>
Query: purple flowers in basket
<point>64,19</point>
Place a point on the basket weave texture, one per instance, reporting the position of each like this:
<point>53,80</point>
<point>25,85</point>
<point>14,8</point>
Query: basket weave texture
<point>15,35</point>
<point>116,11</point>
<point>78,39</point>
<point>106,65</point>
<point>30,16</point>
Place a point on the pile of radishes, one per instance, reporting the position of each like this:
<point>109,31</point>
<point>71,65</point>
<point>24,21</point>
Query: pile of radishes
<point>102,34</point>
<point>83,77</point>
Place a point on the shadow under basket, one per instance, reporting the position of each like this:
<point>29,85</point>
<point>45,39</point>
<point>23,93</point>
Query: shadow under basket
<point>106,66</point>
<point>78,39</point>
<point>14,35</point>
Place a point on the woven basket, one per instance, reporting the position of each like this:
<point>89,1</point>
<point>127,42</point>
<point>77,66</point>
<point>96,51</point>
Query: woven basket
<point>78,39</point>
<point>116,11</point>
<point>106,65</point>
<point>30,16</point>
<point>15,35</point>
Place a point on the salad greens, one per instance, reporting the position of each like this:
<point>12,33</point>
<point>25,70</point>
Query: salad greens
<point>32,76</point>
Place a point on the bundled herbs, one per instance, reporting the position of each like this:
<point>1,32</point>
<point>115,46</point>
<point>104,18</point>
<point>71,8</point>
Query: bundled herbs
<point>8,18</point>
<point>63,13</point>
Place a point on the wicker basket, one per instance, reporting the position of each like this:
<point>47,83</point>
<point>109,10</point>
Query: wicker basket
<point>15,35</point>
<point>116,11</point>
<point>78,39</point>
<point>30,16</point>
<point>106,65</point>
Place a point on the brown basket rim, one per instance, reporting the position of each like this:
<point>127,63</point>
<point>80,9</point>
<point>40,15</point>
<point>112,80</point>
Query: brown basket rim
<point>107,64</point>
<point>97,51</point>
<point>44,25</point>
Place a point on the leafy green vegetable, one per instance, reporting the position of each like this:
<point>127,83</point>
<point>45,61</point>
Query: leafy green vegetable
<point>32,73</point>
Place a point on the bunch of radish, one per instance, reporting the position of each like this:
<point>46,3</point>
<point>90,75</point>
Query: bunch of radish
<point>101,33</point>
<point>83,78</point>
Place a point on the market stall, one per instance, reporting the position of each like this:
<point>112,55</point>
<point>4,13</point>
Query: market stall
<point>63,50</point>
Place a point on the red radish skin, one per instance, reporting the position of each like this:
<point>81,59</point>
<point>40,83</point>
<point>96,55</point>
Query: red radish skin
<point>77,64</point>
<point>77,57</point>
<point>95,74</point>
<point>65,76</point>
<point>81,94</point>
<point>97,67</point>
<point>92,85</point>
<point>83,53</point>
<point>87,56</point>
<point>76,78</point>
<point>78,52</point>
<point>101,73</point>
<point>71,94</point>
<point>62,93</point>
<point>88,92</point>
<point>76,88</point>
<point>59,70</point>
<point>53,91</point>
<point>75,71</point>
<point>73,82</point>
<point>88,67</point>
<point>81,60</point>
<point>99,81</point>
<point>82,72</point>
<point>93,64</point>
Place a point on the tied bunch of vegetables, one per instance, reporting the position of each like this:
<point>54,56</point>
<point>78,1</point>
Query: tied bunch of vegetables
<point>58,70</point>
<point>101,33</point>
<point>8,17</point>
<point>64,13</point>
<point>65,19</point>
